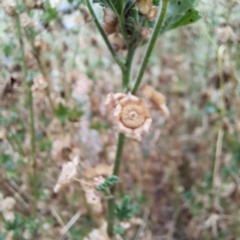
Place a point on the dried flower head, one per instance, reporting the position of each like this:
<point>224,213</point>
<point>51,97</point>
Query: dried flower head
<point>109,21</point>
<point>225,34</point>
<point>41,45</point>
<point>152,14</point>
<point>132,115</point>
<point>9,7</point>
<point>157,100</point>
<point>118,42</point>
<point>82,84</point>
<point>25,20</point>
<point>144,6</point>
<point>34,4</point>
<point>69,171</point>
<point>146,33</point>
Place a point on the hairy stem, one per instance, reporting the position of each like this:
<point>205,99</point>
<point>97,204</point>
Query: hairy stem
<point>111,201</point>
<point>33,179</point>
<point>104,36</point>
<point>151,43</point>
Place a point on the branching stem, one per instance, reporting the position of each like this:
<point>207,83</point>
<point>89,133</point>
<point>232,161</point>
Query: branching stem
<point>32,129</point>
<point>104,36</point>
<point>151,43</point>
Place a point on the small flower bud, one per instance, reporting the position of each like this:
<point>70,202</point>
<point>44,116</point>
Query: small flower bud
<point>144,6</point>
<point>151,16</point>
<point>146,33</point>
<point>118,42</point>
<point>109,21</point>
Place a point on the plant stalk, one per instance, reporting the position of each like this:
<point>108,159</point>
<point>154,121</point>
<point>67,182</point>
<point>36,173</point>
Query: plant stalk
<point>111,201</point>
<point>103,34</point>
<point>128,68</point>
<point>151,43</point>
<point>32,129</point>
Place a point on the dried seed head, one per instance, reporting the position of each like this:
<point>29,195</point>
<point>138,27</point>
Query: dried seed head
<point>110,21</point>
<point>9,7</point>
<point>69,171</point>
<point>82,84</point>
<point>146,33</point>
<point>152,14</point>
<point>33,4</point>
<point>131,115</point>
<point>144,6</point>
<point>157,99</point>
<point>118,42</point>
<point>25,20</point>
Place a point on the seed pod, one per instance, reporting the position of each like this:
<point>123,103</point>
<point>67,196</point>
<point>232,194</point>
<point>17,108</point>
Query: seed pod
<point>144,6</point>
<point>109,21</point>
<point>146,33</point>
<point>152,14</point>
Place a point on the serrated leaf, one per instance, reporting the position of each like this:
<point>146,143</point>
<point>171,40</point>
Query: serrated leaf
<point>125,209</point>
<point>75,114</point>
<point>61,113</point>
<point>108,183</point>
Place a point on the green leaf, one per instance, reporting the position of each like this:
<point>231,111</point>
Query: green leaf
<point>118,230</point>
<point>49,14</point>
<point>125,209</point>
<point>8,48</point>
<point>108,183</point>
<point>62,113</point>
<point>180,13</point>
<point>3,236</point>
<point>74,114</point>
<point>191,16</point>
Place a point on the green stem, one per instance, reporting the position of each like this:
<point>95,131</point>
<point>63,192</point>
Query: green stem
<point>32,129</point>
<point>151,44</point>
<point>111,201</point>
<point>128,67</point>
<point>104,36</point>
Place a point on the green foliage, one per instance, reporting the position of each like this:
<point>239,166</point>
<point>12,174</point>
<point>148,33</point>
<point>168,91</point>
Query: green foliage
<point>210,108</point>
<point>12,118</point>
<point>125,209</point>
<point>30,76</point>
<point>180,13</point>
<point>15,226</point>
<point>8,164</point>
<point>108,183</point>
<point>8,48</point>
<point>118,230</point>
<point>49,13</point>
<point>3,236</point>
<point>31,224</point>
<point>64,113</point>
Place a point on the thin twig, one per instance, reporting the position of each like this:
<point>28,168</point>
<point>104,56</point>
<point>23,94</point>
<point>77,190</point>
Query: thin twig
<point>104,36</point>
<point>217,157</point>
<point>141,229</point>
<point>70,223</point>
